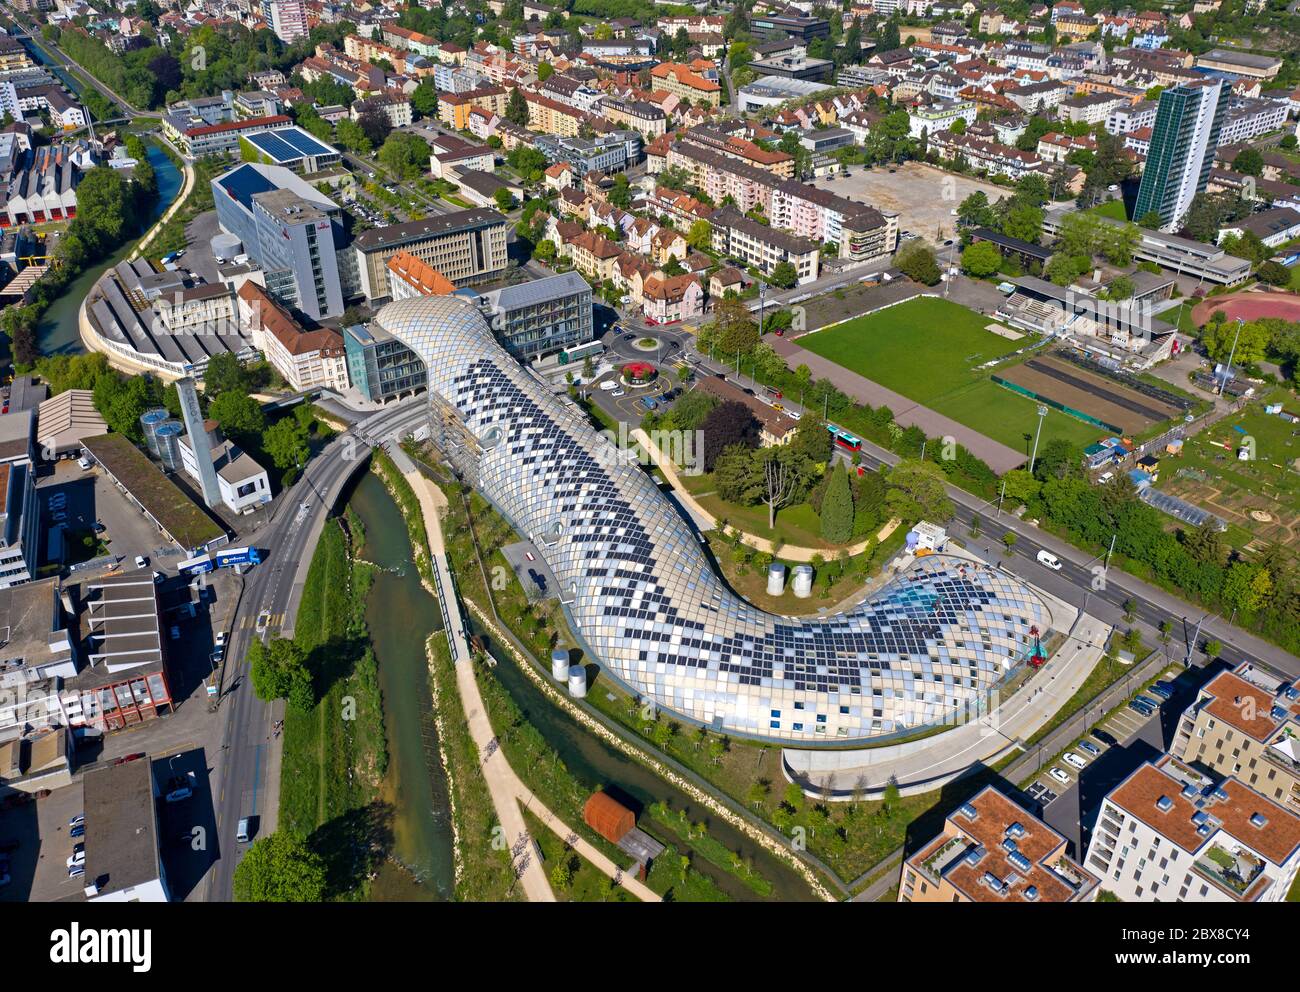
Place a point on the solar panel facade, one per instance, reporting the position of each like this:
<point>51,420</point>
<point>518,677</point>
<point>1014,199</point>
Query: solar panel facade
<point>644,598</point>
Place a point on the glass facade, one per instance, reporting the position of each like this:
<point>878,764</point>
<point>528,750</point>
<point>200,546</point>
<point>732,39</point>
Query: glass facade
<point>379,367</point>
<point>644,599</point>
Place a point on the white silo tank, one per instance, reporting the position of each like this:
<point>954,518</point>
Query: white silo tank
<point>559,665</point>
<point>803,576</point>
<point>775,578</point>
<point>577,681</point>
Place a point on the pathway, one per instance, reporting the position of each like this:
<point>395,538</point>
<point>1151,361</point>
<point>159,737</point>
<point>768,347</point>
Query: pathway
<point>508,793</point>
<point>186,188</point>
<point>788,552</point>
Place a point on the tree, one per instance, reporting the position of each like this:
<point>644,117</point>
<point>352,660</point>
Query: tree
<point>102,208</point>
<point>406,154</point>
<point>1150,220</point>
<point>1023,221</point>
<point>916,491</point>
<point>545,71</point>
<point>1249,162</point>
<point>239,415</point>
<point>279,671</point>
<point>280,868</point>
<point>374,124</point>
<point>224,374</point>
<point>734,328</point>
<point>517,108</point>
<point>544,250</point>
<point>783,274</point>
<point>528,162</point>
<point>285,442</point>
<point>917,262</point>
<point>504,199</point>
<point>780,477</point>
<point>980,259</point>
<point>1251,344</point>
<point>350,136</point>
<point>424,98</point>
<point>727,424</point>
<point>700,235</point>
<point>975,211</point>
<point>837,508</point>
<point>1274,273</point>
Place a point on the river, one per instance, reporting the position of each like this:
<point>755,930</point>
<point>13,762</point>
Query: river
<point>57,332</point>
<point>401,615</point>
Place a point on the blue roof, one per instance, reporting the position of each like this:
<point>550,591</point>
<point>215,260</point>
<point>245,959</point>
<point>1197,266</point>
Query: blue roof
<point>244,183</point>
<point>288,144</point>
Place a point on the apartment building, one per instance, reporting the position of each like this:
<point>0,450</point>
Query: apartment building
<point>1090,108</point>
<point>1189,120</point>
<point>286,18</point>
<point>681,81</point>
<point>466,246</point>
<point>987,156</point>
<point>1130,117</point>
<point>592,255</point>
<point>392,103</point>
<point>1056,147</point>
<point>454,108</point>
<point>1248,117</point>
<point>763,247</point>
<point>409,277</point>
<point>742,150</point>
<point>1246,724</point>
<point>991,850</point>
<point>554,117</point>
<point>1169,833</point>
<point>306,359</point>
<point>935,117</point>
<point>639,115</point>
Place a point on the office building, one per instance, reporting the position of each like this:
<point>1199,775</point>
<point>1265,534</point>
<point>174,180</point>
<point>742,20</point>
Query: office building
<point>1178,164</point>
<point>537,318</point>
<point>290,148</point>
<point>466,246</point>
<point>294,232</point>
<point>802,29</point>
<point>1169,833</point>
<point>19,518</point>
<point>380,367</point>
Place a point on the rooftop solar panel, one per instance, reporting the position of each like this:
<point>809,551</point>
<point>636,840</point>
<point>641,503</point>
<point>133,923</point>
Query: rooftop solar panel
<point>273,145</point>
<point>245,183</point>
<point>305,143</point>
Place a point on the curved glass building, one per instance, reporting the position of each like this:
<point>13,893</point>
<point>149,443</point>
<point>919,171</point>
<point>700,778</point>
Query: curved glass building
<point>642,595</point>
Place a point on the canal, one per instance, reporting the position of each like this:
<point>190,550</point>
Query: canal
<point>597,764</point>
<point>57,332</point>
<point>401,615</point>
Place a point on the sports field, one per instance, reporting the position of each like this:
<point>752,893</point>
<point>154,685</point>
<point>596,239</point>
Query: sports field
<point>929,350</point>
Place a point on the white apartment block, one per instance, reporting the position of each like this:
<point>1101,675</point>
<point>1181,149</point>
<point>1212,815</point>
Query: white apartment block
<point>1130,117</point>
<point>1168,833</point>
<point>940,117</point>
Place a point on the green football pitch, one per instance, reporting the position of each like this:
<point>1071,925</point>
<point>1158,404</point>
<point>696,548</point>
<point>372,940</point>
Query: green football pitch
<point>929,350</point>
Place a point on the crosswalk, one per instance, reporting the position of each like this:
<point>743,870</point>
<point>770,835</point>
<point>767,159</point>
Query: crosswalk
<point>250,622</point>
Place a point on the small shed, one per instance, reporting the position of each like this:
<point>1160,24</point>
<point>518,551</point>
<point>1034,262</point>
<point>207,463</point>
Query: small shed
<point>608,817</point>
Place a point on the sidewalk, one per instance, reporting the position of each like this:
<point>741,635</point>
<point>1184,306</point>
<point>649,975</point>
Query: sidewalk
<point>787,552</point>
<point>508,792</point>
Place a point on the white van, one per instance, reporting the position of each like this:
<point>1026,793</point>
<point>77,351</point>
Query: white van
<point>1049,560</point>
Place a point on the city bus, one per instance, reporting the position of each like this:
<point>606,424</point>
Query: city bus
<point>843,439</point>
<point>592,349</point>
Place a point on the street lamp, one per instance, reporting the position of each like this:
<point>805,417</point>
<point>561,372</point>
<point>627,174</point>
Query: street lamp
<point>1227,373</point>
<point>1042,412</point>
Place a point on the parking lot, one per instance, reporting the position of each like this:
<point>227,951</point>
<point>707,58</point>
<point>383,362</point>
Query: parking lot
<point>922,196</point>
<point>1096,763</point>
<point>625,403</point>
<point>86,497</point>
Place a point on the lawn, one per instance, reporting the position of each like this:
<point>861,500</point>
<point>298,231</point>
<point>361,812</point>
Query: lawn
<point>1114,209</point>
<point>928,349</point>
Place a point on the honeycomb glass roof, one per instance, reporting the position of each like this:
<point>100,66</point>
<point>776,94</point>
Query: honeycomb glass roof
<point>644,599</point>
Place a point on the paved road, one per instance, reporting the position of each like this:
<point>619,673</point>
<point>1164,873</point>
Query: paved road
<point>246,767</point>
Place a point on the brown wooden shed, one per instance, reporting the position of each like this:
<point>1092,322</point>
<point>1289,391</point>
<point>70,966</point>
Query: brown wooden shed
<point>608,817</point>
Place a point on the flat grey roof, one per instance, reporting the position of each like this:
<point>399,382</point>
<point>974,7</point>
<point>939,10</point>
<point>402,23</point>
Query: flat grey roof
<point>121,826</point>
<point>541,290</point>
<point>430,227</point>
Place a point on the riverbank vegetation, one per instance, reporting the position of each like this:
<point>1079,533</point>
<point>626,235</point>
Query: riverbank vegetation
<point>409,504</point>
<point>483,869</point>
<point>335,749</point>
<point>107,207</point>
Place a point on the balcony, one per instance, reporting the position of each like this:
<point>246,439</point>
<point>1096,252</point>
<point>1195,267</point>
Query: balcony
<point>1234,870</point>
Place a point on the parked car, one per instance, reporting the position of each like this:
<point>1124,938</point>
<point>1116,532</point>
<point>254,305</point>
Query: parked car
<point>618,392</point>
<point>78,821</point>
<point>84,462</point>
<point>246,830</point>
<point>1072,759</point>
<point>98,527</point>
<point>1140,708</point>
<point>180,787</point>
<point>1106,738</point>
<point>78,856</point>
<point>1059,775</point>
<point>76,871</point>
<point>175,633</point>
<point>141,561</point>
<point>78,831</point>
<point>1148,701</point>
<point>221,638</point>
<point>1088,747</point>
<point>1161,691</point>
